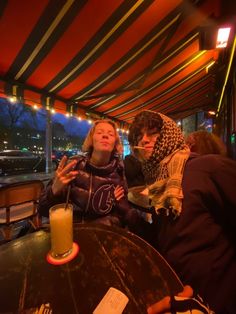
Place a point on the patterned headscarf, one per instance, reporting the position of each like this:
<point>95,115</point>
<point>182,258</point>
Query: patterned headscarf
<point>163,171</point>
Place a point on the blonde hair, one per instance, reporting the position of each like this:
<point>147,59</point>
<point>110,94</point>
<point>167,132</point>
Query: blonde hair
<point>88,142</point>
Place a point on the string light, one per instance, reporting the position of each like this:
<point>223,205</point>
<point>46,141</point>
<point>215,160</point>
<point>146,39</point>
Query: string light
<point>37,106</point>
<point>211,112</point>
<point>12,99</point>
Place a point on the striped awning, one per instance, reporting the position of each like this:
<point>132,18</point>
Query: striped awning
<point>109,57</point>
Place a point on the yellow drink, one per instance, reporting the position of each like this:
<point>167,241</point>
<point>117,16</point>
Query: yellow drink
<point>61,222</point>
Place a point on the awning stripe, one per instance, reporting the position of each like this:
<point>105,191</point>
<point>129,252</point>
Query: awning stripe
<point>165,78</point>
<point>126,61</point>
<point>45,33</point>
<point>121,19</point>
<point>135,81</point>
<point>188,78</point>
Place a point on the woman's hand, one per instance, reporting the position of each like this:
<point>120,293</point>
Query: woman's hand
<point>119,192</point>
<point>164,305</point>
<point>64,175</point>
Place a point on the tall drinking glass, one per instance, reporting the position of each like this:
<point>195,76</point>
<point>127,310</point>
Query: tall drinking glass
<point>61,226</point>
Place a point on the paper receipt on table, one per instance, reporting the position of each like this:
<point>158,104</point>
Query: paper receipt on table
<point>113,302</point>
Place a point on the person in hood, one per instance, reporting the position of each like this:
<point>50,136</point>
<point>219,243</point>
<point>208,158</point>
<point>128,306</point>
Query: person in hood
<point>194,210</point>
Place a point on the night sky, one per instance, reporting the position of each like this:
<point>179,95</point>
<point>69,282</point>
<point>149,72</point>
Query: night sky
<point>72,125</point>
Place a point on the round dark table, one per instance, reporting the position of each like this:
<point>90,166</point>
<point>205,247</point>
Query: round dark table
<point>108,257</point>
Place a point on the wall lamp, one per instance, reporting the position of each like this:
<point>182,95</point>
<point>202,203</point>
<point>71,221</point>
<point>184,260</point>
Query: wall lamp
<point>222,37</point>
<point>215,37</point>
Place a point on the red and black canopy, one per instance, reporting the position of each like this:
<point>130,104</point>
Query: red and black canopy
<point>109,57</point>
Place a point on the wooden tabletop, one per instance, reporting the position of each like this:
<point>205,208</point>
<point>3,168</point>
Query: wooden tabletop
<point>108,257</point>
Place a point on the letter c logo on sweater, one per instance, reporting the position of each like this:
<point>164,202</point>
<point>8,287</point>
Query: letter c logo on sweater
<point>103,199</point>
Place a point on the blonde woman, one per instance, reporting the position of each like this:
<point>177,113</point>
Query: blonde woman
<point>98,186</point>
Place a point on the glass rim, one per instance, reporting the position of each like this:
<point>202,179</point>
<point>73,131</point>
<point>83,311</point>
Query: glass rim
<point>61,205</point>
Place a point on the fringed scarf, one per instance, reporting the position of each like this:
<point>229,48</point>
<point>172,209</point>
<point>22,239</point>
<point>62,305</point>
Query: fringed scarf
<point>163,171</point>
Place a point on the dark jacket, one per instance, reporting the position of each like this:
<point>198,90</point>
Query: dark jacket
<point>201,243</point>
<point>133,171</point>
<point>92,194</point>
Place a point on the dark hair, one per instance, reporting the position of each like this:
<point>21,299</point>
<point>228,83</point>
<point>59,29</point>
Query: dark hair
<point>203,142</point>
<point>145,120</point>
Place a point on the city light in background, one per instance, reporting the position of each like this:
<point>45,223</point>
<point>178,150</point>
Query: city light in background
<point>68,131</point>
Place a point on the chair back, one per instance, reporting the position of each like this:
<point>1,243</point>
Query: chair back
<point>18,201</point>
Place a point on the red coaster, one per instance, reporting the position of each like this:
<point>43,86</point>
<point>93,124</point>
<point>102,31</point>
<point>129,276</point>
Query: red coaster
<point>56,261</point>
